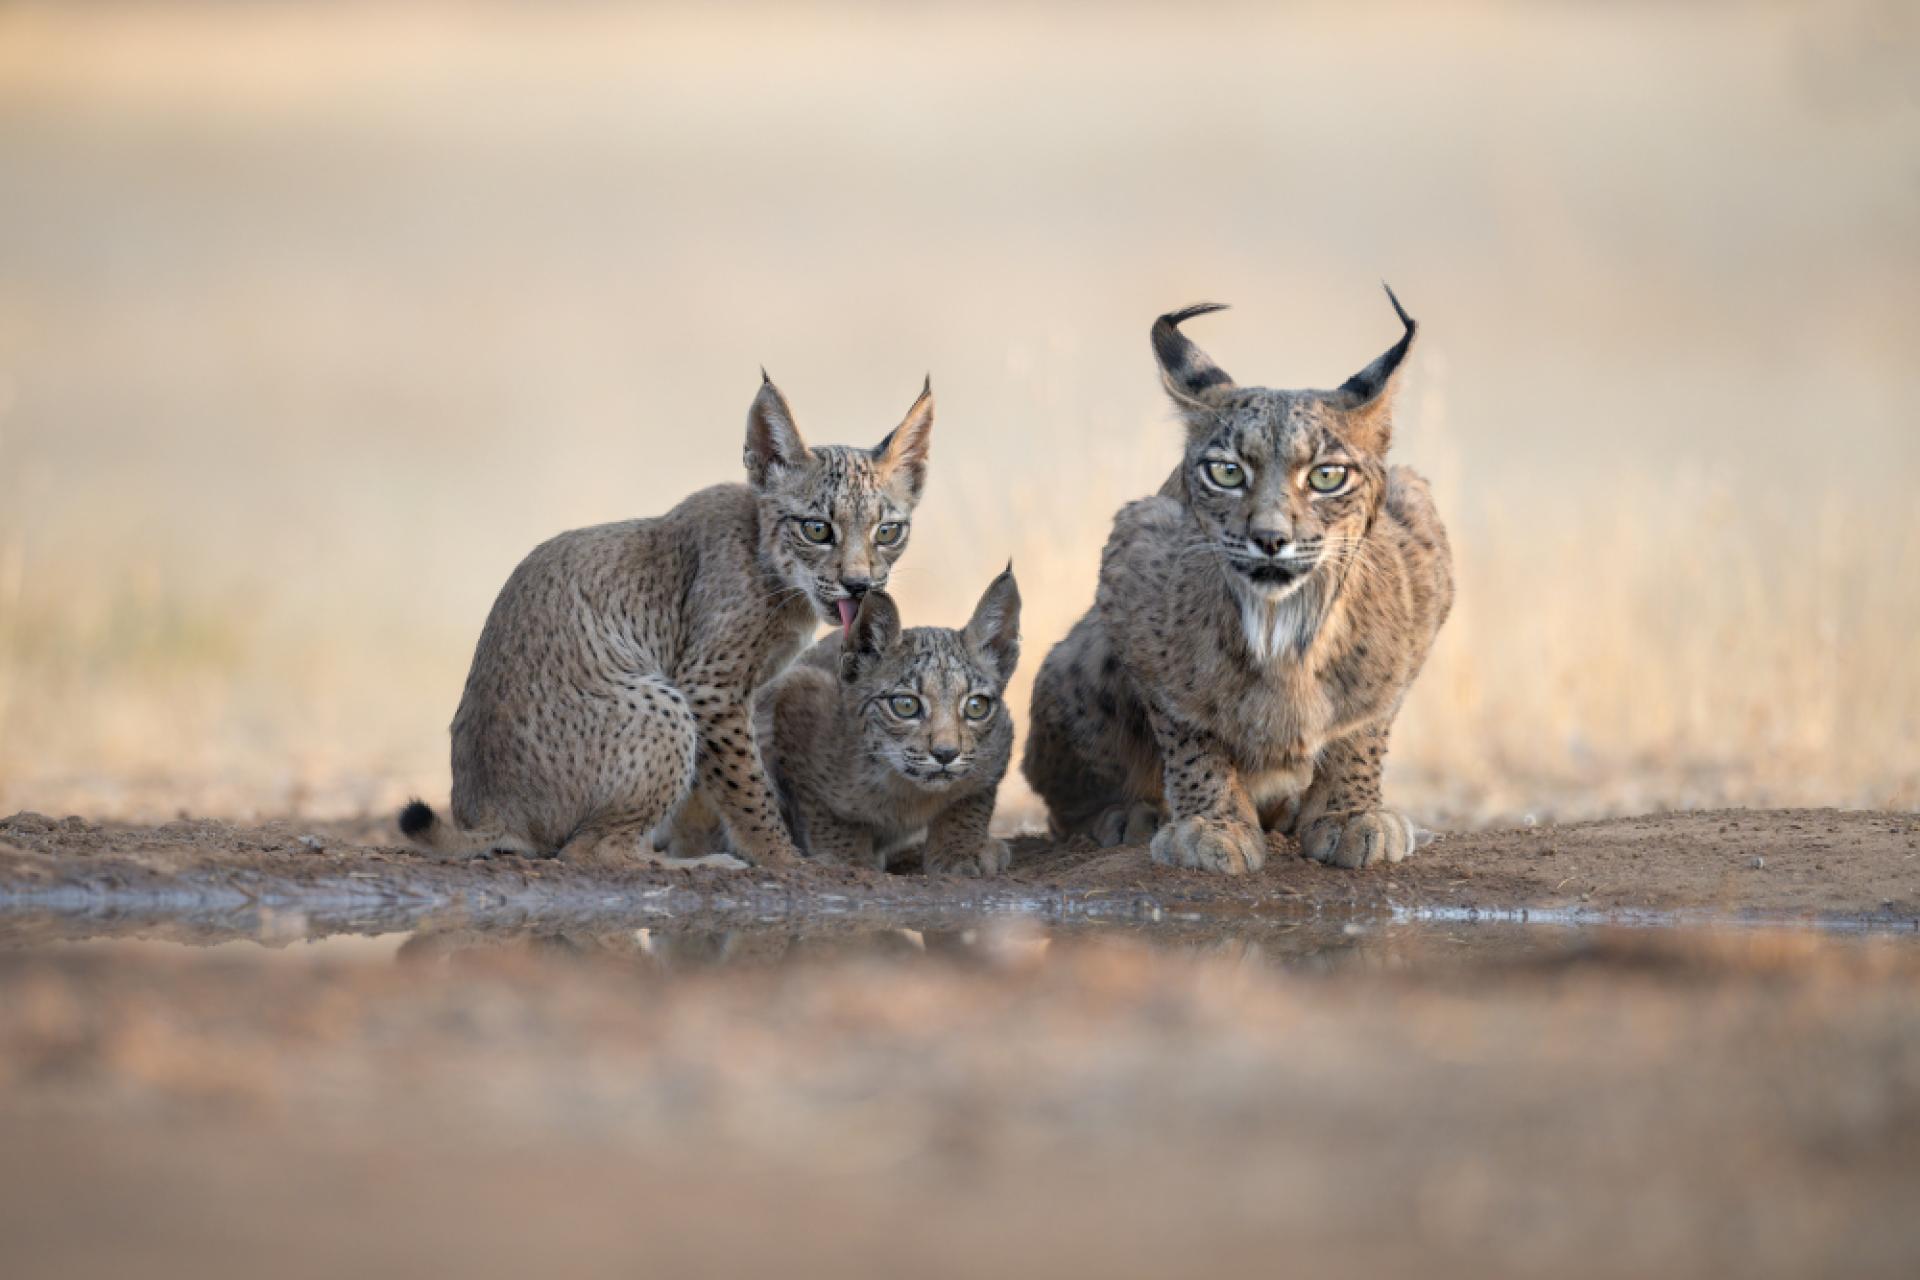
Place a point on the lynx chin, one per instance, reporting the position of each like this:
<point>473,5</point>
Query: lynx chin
<point>614,679</point>
<point>1258,623</point>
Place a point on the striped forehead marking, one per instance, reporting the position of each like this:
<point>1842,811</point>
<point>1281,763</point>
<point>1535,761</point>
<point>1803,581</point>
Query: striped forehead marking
<point>935,658</point>
<point>848,482</point>
<point>1277,425</point>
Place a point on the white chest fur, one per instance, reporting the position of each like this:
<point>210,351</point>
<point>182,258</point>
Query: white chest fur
<point>1272,628</point>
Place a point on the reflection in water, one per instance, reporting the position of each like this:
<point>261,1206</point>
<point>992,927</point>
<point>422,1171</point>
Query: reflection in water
<point>997,942</point>
<point>691,950</point>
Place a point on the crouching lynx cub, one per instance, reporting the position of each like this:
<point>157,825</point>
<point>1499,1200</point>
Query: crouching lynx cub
<point>615,675</point>
<point>1257,624</point>
<point>880,736</point>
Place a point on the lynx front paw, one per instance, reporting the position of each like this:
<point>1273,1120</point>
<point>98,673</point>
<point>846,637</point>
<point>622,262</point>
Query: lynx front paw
<point>1125,824</point>
<point>990,858</point>
<point>1354,840</point>
<point>1209,844</point>
<point>770,856</point>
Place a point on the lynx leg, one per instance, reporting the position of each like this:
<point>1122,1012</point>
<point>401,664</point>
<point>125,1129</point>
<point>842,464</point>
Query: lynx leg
<point>733,779</point>
<point>612,841</point>
<point>832,840</point>
<point>1343,821</point>
<point>958,843</point>
<point>1086,736</point>
<point>1214,826</point>
<point>693,830</point>
<point>646,746</point>
<point>1132,823</point>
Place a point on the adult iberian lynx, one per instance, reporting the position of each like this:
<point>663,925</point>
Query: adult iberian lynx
<point>1258,623</point>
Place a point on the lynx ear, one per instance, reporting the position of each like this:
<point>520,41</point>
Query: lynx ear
<point>773,442</point>
<point>905,449</point>
<point>994,629</point>
<point>1367,397</point>
<point>875,630</point>
<point>1194,381</point>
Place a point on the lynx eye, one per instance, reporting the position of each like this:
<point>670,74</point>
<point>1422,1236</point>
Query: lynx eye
<point>889,533</point>
<point>904,705</point>
<point>1228,475</point>
<point>818,532</point>
<point>1327,478</point>
<point>978,707</point>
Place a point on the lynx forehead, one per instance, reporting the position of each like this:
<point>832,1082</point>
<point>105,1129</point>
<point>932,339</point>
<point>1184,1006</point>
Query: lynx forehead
<point>1256,627</point>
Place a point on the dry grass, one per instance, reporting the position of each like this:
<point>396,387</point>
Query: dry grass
<point>312,322</point>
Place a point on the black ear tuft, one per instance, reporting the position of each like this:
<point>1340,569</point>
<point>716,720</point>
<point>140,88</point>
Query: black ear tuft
<point>1190,376</point>
<point>1374,379</point>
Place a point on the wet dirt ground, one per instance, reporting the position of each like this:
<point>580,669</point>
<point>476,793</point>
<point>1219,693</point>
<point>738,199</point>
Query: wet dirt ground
<point>1775,864</point>
<point>298,1050</point>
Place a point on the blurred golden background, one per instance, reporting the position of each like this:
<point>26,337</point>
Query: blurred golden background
<point>314,319</point>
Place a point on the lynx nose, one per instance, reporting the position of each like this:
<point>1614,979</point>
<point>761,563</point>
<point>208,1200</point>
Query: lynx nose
<point>945,755</point>
<point>856,587</point>
<point>1270,541</point>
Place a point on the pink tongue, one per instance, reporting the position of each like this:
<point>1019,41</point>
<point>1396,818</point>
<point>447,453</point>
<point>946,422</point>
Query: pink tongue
<point>847,610</point>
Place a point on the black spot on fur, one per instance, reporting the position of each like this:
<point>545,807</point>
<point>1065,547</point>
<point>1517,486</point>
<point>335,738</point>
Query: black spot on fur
<point>1201,379</point>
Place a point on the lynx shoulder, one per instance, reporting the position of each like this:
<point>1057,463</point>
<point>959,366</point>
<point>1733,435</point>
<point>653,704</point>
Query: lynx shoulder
<point>1257,624</point>
<point>613,681</point>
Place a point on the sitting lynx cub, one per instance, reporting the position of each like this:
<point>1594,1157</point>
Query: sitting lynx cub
<point>615,674</point>
<point>881,735</point>
<point>1257,624</point>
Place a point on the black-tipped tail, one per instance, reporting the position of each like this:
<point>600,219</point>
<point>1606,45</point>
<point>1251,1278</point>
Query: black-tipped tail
<point>417,819</point>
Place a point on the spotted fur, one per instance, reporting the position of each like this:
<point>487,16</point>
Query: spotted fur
<point>1252,637</point>
<point>862,783</point>
<point>613,681</point>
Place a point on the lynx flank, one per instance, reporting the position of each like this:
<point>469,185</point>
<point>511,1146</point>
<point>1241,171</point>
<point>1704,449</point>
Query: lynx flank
<point>883,736</point>
<point>1257,625</point>
<point>614,678</point>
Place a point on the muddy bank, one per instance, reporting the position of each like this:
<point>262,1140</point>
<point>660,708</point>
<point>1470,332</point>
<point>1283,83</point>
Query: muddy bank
<point>1760,864</point>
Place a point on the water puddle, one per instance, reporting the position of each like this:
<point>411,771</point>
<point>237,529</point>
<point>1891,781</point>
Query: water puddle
<point>1427,940</point>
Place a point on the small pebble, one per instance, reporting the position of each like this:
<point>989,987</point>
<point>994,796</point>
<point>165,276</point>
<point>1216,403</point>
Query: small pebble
<point>1758,864</point>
